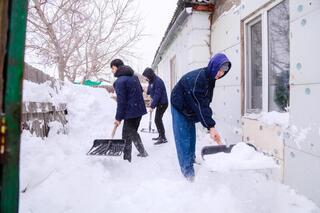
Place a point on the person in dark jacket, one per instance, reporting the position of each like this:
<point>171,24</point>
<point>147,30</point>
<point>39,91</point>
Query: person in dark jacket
<point>190,100</point>
<point>158,93</point>
<point>130,107</point>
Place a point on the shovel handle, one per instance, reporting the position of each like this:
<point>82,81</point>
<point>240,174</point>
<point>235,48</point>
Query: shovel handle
<point>150,117</point>
<point>114,131</point>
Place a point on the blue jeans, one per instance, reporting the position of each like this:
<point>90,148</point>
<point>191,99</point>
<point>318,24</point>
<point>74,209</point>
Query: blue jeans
<point>185,137</point>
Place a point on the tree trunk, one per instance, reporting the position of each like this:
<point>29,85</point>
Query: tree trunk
<point>61,69</point>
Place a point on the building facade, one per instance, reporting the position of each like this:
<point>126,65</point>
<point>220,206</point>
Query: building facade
<point>271,95</point>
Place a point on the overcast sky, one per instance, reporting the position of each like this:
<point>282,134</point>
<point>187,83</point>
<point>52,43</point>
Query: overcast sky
<point>157,15</point>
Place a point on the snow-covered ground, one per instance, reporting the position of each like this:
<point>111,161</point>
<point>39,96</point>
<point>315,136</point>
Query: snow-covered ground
<point>57,176</point>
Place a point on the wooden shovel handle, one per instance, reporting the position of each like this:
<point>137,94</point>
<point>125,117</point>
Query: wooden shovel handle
<point>114,131</point>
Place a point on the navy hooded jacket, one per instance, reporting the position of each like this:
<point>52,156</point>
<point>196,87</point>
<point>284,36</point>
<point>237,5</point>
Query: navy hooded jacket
<point>130,103</point>
<point>193,93</point>
<point>156,89</point>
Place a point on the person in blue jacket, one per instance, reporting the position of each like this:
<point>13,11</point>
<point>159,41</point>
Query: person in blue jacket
<point>190,100</point>
<point>158,93</point>
<point>130,107</point>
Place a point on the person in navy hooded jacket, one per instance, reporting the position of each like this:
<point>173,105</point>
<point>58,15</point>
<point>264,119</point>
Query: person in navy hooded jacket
<point>158,93</point>
<point>130,107</point>
<point>190,100</point>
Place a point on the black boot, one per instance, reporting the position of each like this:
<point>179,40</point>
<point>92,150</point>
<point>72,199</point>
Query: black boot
<point>161,140</point>
<point>143,155</point>
<point>127,158</point>
<point>155,139</point>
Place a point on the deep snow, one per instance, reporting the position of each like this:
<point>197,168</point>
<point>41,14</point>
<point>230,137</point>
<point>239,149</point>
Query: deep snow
<point>57,175</point>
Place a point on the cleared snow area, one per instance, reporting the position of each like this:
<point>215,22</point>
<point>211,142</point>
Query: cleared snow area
<point>57,175</point>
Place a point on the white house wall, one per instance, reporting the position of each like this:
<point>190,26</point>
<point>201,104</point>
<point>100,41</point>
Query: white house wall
<point>302,173</point>
<point>226,115</point>
<point>179,49</point>
<point>249,6</point>
<point>305,119</point>
<point>300,8</point>
<point>226,31</point>
<point>302,148</point>
<point>301,153</point>
<point>190,47</point>
<point>225,36</point>
<point>303,32</point>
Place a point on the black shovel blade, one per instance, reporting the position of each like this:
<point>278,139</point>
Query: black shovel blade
<point>209,150</point>
<point>108,147</point>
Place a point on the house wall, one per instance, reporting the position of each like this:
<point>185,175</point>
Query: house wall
<point>299,151</point>
<point>297,148</point>
<point>302,148</point>
<point>225,37</point>
<point>190,46</point>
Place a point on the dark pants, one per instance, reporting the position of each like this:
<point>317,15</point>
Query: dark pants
<point>158,119</point>
<point>130,134</point>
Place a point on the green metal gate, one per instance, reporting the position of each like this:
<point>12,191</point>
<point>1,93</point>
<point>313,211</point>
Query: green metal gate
<point>13,14</point>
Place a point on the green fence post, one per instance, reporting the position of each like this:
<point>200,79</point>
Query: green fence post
<point>13,73</point>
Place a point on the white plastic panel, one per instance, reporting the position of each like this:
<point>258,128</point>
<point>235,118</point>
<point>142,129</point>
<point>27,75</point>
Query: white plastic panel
<point>198,54</point>
<point>230,134</point>
<point>226,31</point>
<point>198,37</point>
<point>299,8</point>
<point>196,64</point>
<point>304,47</point>
<point>304,118</point>
<point>200,20</point>
<point>217,102</point>
<point>226,112</point>
<point>302,172</point>
<point>233,77</point>
<point>249,6</point>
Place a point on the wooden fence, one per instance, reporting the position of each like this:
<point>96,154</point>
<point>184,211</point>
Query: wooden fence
<point>37,116</point>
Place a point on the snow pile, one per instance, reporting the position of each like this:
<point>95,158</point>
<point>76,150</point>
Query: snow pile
<point>299,135</point>
<point>272,118</point>
<point>42,93</point>
<point>242,157</point>
<point>58,176</point>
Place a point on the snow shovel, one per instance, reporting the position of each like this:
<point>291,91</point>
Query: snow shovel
<point>108,147</point>
<point>149,130</point>
<point>210,150</point>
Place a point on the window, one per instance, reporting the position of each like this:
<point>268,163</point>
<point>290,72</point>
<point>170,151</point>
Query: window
<point>255,66</point>
<point>267,60</point>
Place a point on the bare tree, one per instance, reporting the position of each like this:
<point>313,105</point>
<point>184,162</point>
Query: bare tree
<point>81,37</point>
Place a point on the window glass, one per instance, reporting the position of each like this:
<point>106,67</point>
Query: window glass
<point>255,67</point>
<point>279,64</point>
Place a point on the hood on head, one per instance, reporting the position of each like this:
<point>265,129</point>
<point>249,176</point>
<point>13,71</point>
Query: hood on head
<point>124,71</point>
<point>216,62</point>
<point>149,74</point>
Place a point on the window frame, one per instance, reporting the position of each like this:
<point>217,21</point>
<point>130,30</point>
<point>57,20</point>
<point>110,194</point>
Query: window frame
<point>260,14</point>
<point>248,77</point>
